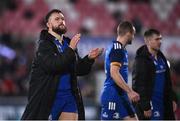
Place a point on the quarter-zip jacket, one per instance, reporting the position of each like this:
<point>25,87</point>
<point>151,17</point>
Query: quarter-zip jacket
<point>47,67</point>
<point>143,83</point>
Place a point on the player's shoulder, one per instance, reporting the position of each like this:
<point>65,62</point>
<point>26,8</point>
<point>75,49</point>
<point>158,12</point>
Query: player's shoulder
<point>117,45</point>
<point>67,39</point>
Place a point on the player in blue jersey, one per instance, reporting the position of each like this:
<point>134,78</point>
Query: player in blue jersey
<point>117,95</point>
<point>54,93</point>
<point>151,79</point>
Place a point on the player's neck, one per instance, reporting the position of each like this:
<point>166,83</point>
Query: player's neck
<point>152,51</point>
<point>59,37</point>
<point>121,40</point>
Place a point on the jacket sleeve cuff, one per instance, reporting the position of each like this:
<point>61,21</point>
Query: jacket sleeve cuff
<point>90,61</point>
<point>145,105</point>
<point>71,52</point>
<point>174,97</point>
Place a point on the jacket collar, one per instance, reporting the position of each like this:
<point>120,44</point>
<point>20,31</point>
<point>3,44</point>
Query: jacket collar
<point>143,52</point>
<point>45,35</point>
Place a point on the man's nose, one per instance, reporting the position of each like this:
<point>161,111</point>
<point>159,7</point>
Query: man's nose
<point>60,21</point>
<point>160,41</point>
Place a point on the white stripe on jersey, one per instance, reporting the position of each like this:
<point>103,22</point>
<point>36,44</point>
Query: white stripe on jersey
<point>109,105</point>
<point>112,106</point>
<point>117,46</point>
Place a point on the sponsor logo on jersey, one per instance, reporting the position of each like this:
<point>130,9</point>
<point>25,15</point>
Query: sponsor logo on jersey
<point>161,71</point>
<point>156,114</point>
<point>50,118</point>
<point>125,63</point>
<point>105,115</point>
<point>116,116</point>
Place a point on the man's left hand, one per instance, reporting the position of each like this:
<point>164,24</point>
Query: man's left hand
<point>94,53</point>
<point>174,106</point>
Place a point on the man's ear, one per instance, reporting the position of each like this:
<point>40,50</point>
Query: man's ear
<point>146,39</point>
<point>47,24</point>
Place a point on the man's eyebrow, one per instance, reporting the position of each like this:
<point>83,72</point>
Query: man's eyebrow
<point>158,38</point>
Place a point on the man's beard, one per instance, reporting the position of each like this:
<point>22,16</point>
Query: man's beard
<point>59,30</point>
<point>156,49</point>
<point>129,42</point>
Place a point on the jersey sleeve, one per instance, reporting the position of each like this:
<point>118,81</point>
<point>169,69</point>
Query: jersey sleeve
<point>116,55</point>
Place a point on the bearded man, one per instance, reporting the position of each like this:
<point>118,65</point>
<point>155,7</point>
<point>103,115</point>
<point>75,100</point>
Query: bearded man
<point>54,93</point>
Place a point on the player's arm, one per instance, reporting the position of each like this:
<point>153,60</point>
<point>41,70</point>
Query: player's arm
<point>84,65</point>
<point>117,77</point>
<point>117,56</point>
<point>57,62</point>
<point>140,74</point>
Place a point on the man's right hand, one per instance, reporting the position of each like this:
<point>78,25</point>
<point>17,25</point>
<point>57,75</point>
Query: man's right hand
<point>148,113</point>
<point>133,96</point>
<point>74,41</point>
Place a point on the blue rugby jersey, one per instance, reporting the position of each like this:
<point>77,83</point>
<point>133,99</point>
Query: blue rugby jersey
<point>159,77</point>
<point>64,101</point>
<point>115,103</point>
<point>158,90</point>
<point>64,79</point>
<point>117,54</point>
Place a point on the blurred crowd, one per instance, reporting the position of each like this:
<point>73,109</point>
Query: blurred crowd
<point>15,61</point>
<point>91,17</point>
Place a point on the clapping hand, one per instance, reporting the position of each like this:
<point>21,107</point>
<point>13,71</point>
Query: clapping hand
<point>74,41</point>
<point>94,53</point>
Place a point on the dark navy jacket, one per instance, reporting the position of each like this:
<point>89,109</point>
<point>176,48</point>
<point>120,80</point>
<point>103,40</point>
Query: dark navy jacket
<point>47,66</point>
<point>143,82</point>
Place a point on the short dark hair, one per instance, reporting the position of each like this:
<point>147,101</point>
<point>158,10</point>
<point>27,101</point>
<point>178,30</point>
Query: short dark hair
<point>50,13</point>
<point>125,27</point>
<point>151,32</point>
